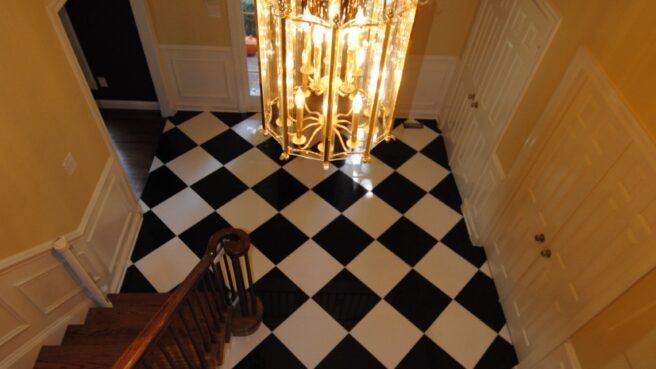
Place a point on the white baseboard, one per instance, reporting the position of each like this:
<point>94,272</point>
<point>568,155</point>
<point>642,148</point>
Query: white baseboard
<point>430,76</point>
<point>202,77</point>
<point>39,296</point>
<point>128,104</point>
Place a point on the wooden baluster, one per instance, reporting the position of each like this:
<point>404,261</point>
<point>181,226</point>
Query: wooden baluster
<point>209,302</point>
<point>241,288</point>
<point>167,355</point>
<point>209,324</point>
<point>201,331</point>
<point>216,294</point>
<point>183,351</point>
<point>212,296</point>
<point>193,339</point>
<point>223,293</point>
<point>249,274</point>
<point>231,285</point>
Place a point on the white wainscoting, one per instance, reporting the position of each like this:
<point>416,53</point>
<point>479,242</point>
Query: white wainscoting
<point>430,76</point>
<point>39,296</point>
<point>202,77</point>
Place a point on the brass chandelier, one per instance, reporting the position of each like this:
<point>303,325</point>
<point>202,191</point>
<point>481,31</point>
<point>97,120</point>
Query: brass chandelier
<point>330,72</point>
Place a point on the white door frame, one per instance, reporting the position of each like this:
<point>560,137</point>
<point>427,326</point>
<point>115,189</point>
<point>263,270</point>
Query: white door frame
<point>236,23</point>
<point>52,9</point>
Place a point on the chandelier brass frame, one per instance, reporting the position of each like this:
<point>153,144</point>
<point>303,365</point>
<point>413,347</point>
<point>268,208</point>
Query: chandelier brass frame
<point>330,72</point>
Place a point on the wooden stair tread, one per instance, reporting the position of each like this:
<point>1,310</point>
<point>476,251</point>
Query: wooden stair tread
<point>120,300</point>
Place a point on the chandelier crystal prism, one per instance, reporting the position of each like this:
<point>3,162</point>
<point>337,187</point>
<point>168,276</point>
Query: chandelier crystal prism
<point>330,73</point>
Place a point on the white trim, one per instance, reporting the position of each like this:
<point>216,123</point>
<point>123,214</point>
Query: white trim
<point>572,356</point>
<point>77,48</point>
<point>163,87</point>
<point>128,104</point>
<point>236,25</point>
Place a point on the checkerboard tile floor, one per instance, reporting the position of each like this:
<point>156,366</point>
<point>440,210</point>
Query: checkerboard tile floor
<point>359,266</point>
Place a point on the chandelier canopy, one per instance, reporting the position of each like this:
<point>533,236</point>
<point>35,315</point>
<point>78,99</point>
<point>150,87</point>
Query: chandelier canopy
<point>330,73</point>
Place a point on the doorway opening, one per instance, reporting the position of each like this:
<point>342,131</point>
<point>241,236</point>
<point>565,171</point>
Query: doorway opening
<point>250,32</point>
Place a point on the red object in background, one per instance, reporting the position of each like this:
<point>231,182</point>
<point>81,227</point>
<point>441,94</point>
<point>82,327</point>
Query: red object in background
<point>251,46</point>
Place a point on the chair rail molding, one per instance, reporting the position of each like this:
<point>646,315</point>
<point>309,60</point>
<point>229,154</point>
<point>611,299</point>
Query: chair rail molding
<point>40,296</point>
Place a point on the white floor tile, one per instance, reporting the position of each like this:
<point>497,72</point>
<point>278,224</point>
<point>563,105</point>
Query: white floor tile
<point>423,171</point>
<point>378,268</point>
<point>416,138</point>
<point>247,211</point>
<point>310,267</point>
<point>372,214</point>
<point>260,264</point>
<point>310,213</point>
<point>387,334</point>
<point>433,216</point>
<point>461,335</point>
<point>446,269</point>
<point>250,129</point>
<point>309,172</point>
<point>310,333</point>
<point>252,166</point>
<point>155,164</point>
<point>168,126</point>
<point>168,265</point>
<point>203,127</point>
<point>241,346</point>
<point>485,268</point>
<point>182,210</point>
<point>505,334</point>
<point>368,175</point>
<point>193,165</point>
<point>144,207</point>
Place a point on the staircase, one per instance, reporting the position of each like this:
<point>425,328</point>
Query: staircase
<point>186,329</point>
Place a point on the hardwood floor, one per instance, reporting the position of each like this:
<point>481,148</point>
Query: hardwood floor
<point>135,134</point>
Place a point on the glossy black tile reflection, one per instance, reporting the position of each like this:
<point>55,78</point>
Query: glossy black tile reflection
<point>172,144</point>
<point>346,299</point>
<point>343,239</point>
<point>270,354</point>
<point>457,239</point>
<point>407,241</point>
<point>393,153</point>
<point>349,353</point>
<point>280,189</point>
<point>399,192</point>
<point>500,355</point>
<point>219,187</point>
<point>427,355</point>
<point>418,300</point>
<point>447,192</point>
<point>226,146</point>
<point>436,150</point>
<point>152,234</point>
<point>280,297</point>
<point>277,238</point>
<point>162,183</point>
<point>199,234</point>
<point>135,282</point>
<point>480,297</point>
<point>339,190</point>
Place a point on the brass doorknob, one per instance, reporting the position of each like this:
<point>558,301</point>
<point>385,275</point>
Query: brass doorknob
<point>546,253</point>
<point>474,104</point>
<point>471,96</point>
<point>540,237</point>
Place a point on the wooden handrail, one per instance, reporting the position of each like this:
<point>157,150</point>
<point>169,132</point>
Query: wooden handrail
<point>154,330</point>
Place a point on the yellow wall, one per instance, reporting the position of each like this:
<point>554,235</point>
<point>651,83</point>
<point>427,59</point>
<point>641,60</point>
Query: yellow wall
<point>442,27</point>
<point>620,327</point>
<point>42,117</point>
<point>620,35</point>
<point>185,22</point>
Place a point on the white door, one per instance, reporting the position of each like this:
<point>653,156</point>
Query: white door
<point>241,17</point>
<point>590,193</point>
<point>506,45</point>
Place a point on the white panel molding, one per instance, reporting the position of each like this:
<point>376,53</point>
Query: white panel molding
<point>203,77</point>
<point>39,294</point>
<point>128,104</point>
<point>431,76</point>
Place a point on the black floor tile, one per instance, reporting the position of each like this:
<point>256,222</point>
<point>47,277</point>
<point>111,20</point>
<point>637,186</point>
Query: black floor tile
<point>427,355</point>
<point>280,297</point>
<point>340,190</point>
<point>219,187</point>
<point>418,300</point>
<point>277,238</point>
<point>270,354</point>
<point>280,189</point>
<point>447,192</point>
<point>436,150</point>
<point>162,183</point>
<point>349,353</point>
<point>407,241</point>
<point>393,153</point>
<point>500,355</point>
<point>480,297</point>
<point>343,239</point>
<point>346,299</point>
<point>226,146</point>
<point>135,282</point>
<point>273,150</point>
<point>457,239</point>
<point>183,116</point>
<point>197,237</point>
<point>399,192</point>
<point>232,119</point>
<point>153,234</point>
<point>172,144</point>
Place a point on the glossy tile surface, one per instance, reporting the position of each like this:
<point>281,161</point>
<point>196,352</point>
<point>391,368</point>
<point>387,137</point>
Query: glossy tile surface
<point>359,266</point>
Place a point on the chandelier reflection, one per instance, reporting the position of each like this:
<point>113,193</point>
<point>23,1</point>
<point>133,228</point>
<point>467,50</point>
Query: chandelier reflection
<point>330,72</point>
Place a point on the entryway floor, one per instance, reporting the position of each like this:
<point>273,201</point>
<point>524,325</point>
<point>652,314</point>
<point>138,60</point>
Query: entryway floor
<point>358,266</point>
